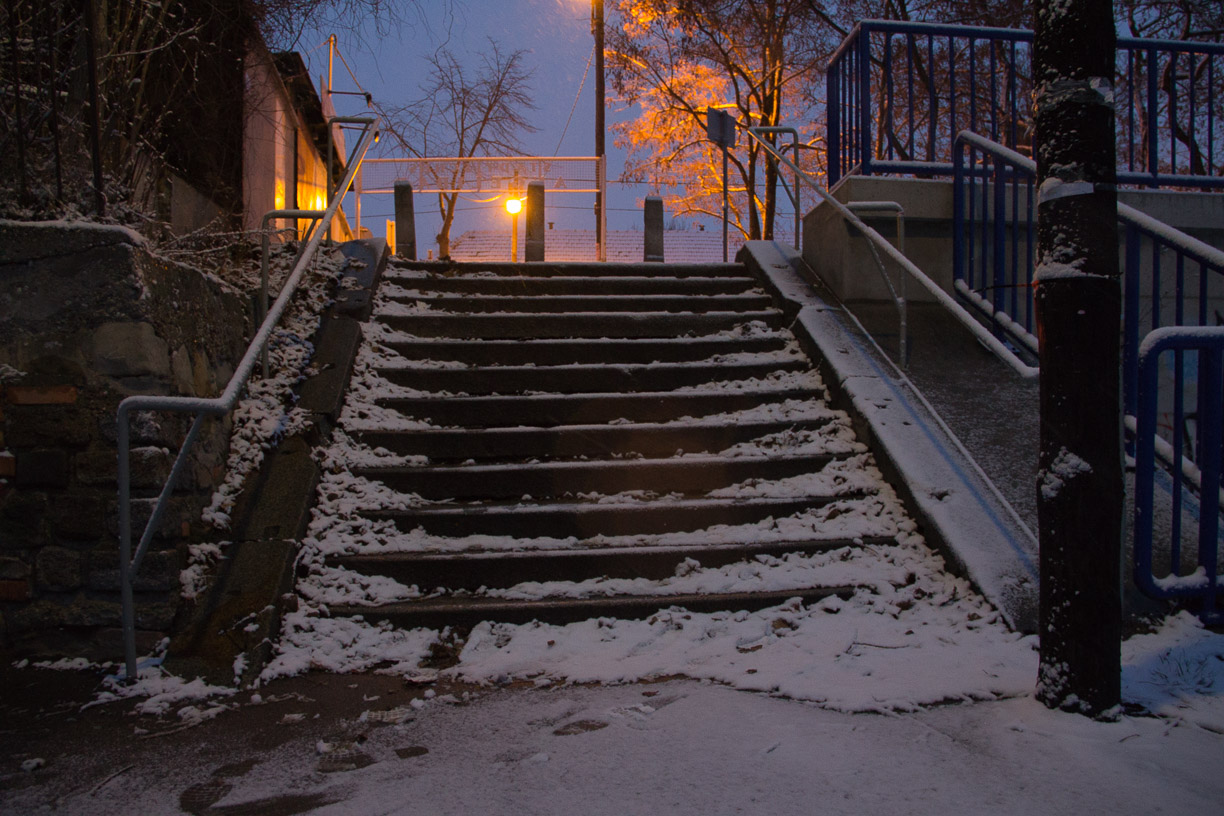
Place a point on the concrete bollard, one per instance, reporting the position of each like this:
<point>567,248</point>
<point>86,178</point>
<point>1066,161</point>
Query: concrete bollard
<point>652,244</point>
<point>534,247</point>
<point>405,222</point>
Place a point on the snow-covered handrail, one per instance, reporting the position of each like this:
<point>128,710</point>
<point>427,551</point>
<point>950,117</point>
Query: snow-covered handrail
<point>943,298</point>
<point>129,563</point>
<point>1171,235</point>
<point>1175,239</point>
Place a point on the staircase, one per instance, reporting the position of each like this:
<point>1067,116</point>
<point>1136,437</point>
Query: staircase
<point>564,442</point>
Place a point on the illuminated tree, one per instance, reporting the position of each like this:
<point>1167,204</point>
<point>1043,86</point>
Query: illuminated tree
<point>759,59</point>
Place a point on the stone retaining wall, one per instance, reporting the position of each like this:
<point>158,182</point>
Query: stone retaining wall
<point>87,317</point>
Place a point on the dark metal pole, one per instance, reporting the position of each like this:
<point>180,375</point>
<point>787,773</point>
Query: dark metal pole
<point>597,28</point>
<point>1079,306</point>
<point>725,208</point>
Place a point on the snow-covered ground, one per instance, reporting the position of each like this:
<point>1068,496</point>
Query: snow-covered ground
<point>677,746</point>
<point>909,695</point>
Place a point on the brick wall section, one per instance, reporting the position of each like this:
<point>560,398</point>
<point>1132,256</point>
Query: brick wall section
<point>87,317</point>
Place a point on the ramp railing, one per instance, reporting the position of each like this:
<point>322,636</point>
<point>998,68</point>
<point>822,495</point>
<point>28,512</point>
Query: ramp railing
<point>1193,462</point>
<point>1173,296</point>
<point>201,408</point>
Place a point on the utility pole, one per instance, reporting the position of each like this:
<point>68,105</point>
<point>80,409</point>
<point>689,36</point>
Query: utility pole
<point>1078,293</point>
<point>597,28</point>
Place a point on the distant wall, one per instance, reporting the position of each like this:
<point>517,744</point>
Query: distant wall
<point>87,317</point>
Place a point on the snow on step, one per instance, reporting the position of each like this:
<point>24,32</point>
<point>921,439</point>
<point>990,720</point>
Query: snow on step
<point>611,463</point>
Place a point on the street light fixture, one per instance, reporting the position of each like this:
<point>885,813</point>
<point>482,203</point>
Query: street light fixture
<point>514,206</point>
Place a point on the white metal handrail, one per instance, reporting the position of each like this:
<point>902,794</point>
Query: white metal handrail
<point>943,298</point>
<point>129,563</point>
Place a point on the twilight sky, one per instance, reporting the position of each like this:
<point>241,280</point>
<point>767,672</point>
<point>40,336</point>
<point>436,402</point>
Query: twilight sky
<point>557,36</point>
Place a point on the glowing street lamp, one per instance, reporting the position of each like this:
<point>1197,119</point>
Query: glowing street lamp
<point>514,206</point>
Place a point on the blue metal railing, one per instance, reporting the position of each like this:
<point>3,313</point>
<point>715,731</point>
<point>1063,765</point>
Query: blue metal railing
<point>898,93</point>
<point>993,243</point>
<point>1194,498</point>
<point>1173,287</point>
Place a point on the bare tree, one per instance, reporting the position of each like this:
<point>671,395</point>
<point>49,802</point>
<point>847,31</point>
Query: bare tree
<point>283,22</point>
<point>465,112</point>
<point>164,84</point>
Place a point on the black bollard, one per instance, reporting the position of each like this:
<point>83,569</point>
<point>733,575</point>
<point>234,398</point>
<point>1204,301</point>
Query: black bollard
<point>405,222</point>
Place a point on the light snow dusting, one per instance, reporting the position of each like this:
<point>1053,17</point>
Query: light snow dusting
<point>1065,467</point>
<point>266,414</point>
<point>892,629</point>
<point>896,604</point>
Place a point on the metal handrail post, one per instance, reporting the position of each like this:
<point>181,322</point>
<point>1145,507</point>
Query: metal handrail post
<point>602,168</point>
<point>129,562</point>
<point>899,298</point>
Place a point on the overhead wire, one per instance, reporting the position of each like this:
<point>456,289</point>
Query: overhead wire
<point>574,106</point>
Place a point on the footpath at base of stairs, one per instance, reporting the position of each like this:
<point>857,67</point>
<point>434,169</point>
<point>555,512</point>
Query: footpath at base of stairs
<point>528,446</point>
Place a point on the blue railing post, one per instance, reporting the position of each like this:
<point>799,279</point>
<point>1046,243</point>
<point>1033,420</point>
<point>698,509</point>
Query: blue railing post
<point>958,212</point>
<point>864,91</point>
<point>833,122</point>
<point>1153,131</point>
<point>1210,413</point>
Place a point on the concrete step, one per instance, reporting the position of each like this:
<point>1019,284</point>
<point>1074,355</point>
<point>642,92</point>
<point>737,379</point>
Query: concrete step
<point>568,304</point>
<point>569,352</point>
<point>548,480</point>
<point>576,441</point>
<point>581,379</point>
<point>550,410</point>
<point>584,520</point>
<point>472,570</point>
<point>400,268</point>
<point>465,612</point>
<point>584,285</point>
<point>588,324</point>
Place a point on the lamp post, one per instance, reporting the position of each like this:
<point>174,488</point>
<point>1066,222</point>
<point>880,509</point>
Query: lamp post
<point>514,206</point>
